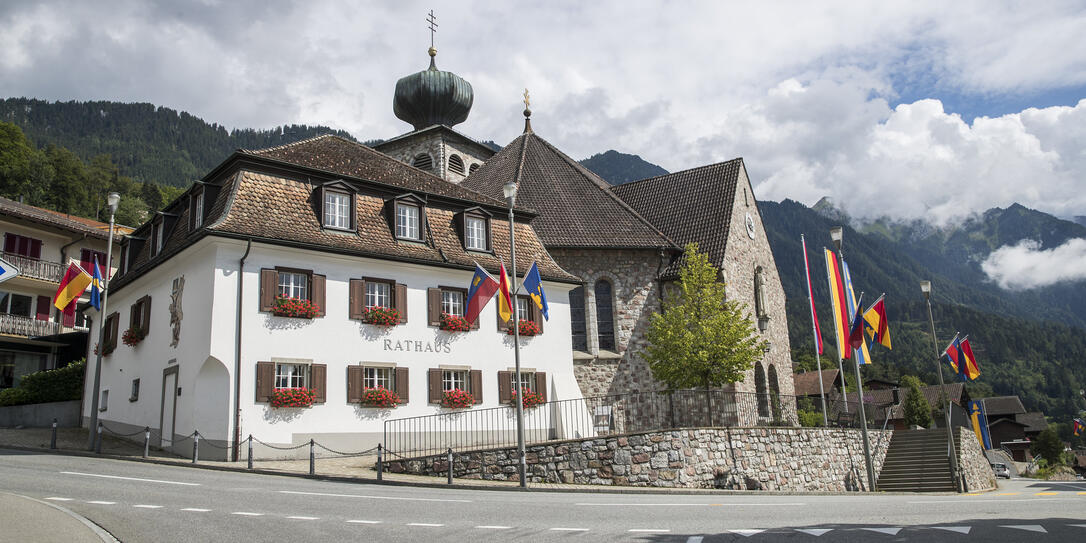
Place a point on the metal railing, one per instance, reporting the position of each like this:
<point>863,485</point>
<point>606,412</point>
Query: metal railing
<point>36,268</point>
<point>17,325</point>
<point>586,418</point>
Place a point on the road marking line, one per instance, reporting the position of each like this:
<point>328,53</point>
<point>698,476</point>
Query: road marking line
<point>196,510</point>
<point>746,533</point>
<point>493,527</point>
<point>148,506</point>
<point>966,494</point>
<point>649,530</point>
<point>99,502</point>
<point>1001,501</point>
<point>247,514</point>
<point>304,518</point>
<point>56,499</point>
<point>1078,525</point>
<point>887,531</point>
<point>958,529</point>
<point>129,478</point>
<point>424,524</point>
<point>364,522</point>
<point>1080,493</point>
<point>1046,494</point>
<point>1005,493</point>
<point>569,529</point>
<point>814,531</point>
<point>744,504</point>
<point>694,539</point>
<point>1027,527</point>
<point>369,497</point>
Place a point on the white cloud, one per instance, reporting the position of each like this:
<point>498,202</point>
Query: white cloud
<point>1026,265</point>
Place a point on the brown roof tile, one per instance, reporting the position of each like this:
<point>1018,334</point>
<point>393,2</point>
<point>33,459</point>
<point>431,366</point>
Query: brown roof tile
<point>1002,405</point>
<point>1034,421</point>
<point>806,383</point>
<point>80,225</point>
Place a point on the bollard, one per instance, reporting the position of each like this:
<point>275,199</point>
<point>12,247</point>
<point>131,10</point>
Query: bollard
<point>146,440</point>
<point>312,468</point>
<point>250,462</point>
<point>195,446</point>
<point>380,466</point>
<point>53,440</point>
<point>98,443</point>
<point>450,465</point>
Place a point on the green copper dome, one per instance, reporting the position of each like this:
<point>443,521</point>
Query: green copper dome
<point>432,97</point>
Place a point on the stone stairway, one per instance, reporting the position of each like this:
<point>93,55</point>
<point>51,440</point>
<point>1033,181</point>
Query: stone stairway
<point>916,461</point>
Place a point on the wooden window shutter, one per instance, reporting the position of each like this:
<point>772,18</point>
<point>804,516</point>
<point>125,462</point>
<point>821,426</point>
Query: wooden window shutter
<point>68,316</point>
<point>269,287</point>
<point>433,297</point>
<point>35,248</point>
<point>401,302</point>
<point>541,383</point>
<point>433,378</point>
<point>132,310</point>
<point>401,384</point>
<point>317,296</point>
<point>357,299</point>
<point>115,321</point>
<point>318,381</point>
<point>145,325</point>
<point>536,314</point>
<point>505,387</point>
<point>502,325</point>
<point>354,384</point>
<point>10,242</point>
<point>477,385</point>
<point>42,311</point>
<point>265,381</point>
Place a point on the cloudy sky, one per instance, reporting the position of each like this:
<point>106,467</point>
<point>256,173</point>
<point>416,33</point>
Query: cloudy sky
<point>930,110</point>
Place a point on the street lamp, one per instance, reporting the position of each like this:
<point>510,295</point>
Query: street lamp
<point>925,288</point>
<point>837,234</point>
<point>510,192</point>
<point>112,200</point>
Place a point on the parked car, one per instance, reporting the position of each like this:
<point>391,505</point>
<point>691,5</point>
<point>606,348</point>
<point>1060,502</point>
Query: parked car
<point>1001,471</point>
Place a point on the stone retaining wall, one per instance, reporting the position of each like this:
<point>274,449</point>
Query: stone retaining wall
<point>41,415</point>
<point>793,459</point>
<point>973,463</point>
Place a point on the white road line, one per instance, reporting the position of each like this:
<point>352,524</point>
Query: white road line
<point>304,518</point>
<point>746,533</point>
<point>425,524</point>
<point>372,521</point>
<point>1031,500</point>
<point>569,529</point>
<point>369,497</point>
<point>147,506</point>
<point>56,499</point>
<point>814,531</point>
<point>887,531</point>
<point>1027,527</point>
<point>195,510</point>
<point>129,478</point>
<point>649,530</point>
<point>99,502</point>
<point>958,529</point>
<point>247,514</point>
<point>493,527</point>
<point>697,538</point>
<point>740,504</point>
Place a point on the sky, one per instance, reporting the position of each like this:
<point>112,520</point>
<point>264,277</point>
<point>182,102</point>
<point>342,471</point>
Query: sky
<point>909,110</point>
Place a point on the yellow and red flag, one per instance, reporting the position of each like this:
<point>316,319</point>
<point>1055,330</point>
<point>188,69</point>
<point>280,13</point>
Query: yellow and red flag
<point>505,300</point>
<point>875,326</point>
<point>75,282</point>
<point>972,370</point>
<point>840,307</point>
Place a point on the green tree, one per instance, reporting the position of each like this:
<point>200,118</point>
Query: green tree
<point>700,339</point>
<point>151,196</point>
<point>1049,446</point>
<point>917,409</point>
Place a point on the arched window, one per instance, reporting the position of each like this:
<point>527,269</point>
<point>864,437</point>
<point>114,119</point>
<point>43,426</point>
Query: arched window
<point>456,164</point>
<point>760,390</point>
<point>423,161</point>
<point>759,294</point>
<point>472,168</point>
<point>577,319</point>
<point>774,393</point>
<point>605,316</point>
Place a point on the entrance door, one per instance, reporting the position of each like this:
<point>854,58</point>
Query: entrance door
<point>169,406</point>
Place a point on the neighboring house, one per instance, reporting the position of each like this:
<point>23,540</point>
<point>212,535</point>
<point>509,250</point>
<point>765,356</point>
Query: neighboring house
<point>1011,426</point>
<point>34,335</point>
<point>806,384</point>
<point>885,408</point>
<point>1009,434</point>
<point>346,228</point>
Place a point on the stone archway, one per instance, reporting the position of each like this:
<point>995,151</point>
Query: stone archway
<point>211,402</point>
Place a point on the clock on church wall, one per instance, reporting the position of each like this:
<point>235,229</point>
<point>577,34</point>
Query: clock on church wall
<point>750,226</point>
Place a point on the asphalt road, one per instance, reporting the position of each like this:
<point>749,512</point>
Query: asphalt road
<point>139,502</point>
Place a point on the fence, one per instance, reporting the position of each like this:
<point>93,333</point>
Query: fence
<point>584,418</point>
<point>36,268</point>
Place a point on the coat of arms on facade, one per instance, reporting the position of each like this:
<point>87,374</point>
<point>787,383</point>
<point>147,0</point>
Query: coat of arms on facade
<point>175,309</point>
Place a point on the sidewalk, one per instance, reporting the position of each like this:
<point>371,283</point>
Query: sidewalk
<point>28,519</point>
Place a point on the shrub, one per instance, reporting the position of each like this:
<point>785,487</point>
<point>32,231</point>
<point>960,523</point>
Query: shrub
<point>294,307</point>
<point>454,323</point>
<point>917,409</point>
<point>381,316</point>
<point>57,385</point>
<point>292,397</point>
<point>457,399</point>
<point>380,397</point>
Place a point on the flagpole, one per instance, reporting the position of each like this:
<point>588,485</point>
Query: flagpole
<point>510,190</point>
<point>113,199</point>
<point>814,330</point>
<point>925,287</point>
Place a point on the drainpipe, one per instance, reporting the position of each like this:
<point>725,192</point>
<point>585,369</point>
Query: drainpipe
<point>237,355</point>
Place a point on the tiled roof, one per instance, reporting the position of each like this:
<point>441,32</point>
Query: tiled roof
<point>79,225</point>
<point>576,208</point>
<point>806,383</point>
<point>689,206</point>
<point>1002,405</point>
<point>1034,421</point>
<point>955,392</point>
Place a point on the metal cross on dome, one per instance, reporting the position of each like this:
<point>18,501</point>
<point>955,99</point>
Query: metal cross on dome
<point>527,102</point>
<point>433,26</point>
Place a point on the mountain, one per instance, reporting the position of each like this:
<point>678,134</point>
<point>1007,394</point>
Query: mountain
<point>147,143</point>
<point>617,168</point>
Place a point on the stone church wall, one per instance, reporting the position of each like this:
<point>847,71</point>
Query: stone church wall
<point>974,465</point>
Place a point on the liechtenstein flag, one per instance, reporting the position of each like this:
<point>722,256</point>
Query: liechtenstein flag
<point>481,290</point>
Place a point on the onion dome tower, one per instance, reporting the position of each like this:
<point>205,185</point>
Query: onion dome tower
<point>432,97</point>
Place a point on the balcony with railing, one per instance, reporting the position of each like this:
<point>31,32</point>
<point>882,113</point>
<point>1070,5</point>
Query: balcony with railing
<point>18,325</point>
<point>35,268</point>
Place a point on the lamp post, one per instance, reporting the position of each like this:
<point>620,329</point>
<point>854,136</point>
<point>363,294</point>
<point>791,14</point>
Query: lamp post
<point>113,199</point>
<point>837,235</point>
<point>510,191</point>
<point>925,287</point>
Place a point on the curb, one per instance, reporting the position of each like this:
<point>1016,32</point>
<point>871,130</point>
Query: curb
<point>99,531</point>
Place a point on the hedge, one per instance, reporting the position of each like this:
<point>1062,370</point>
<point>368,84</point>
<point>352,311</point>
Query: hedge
<point>57,385</point>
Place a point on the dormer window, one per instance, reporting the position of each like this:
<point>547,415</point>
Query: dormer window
<point>197,208</point>
<point>475,227</point>
<point>337,209</point>
<point>157,236</point>
<point>407,221</point>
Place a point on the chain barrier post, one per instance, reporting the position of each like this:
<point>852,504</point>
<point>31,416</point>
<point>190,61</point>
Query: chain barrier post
<point>53,439</point>
<point>98,442</point>
<point>450,460</point>
<point>250,461</point>
<point>312,458</point>
<point>146,440</point>
<point>195,445</point>
<point>380,465</point>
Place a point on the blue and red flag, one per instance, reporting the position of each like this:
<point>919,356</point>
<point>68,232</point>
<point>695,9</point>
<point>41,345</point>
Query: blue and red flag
<point>953,353</point>
<point>481,290</point>
<point>1079,425</point>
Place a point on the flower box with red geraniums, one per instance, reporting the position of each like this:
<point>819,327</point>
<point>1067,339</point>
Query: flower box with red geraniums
<point>380,397</point>
<point>291,397</point>
<point>133,336</point>
<point>531,399</point>
<point>527,328</point>
<point>110,346</point>
<point>457,399</point>
<point>294,307</point>
<point>381,316</point>
<point>454,323</point>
